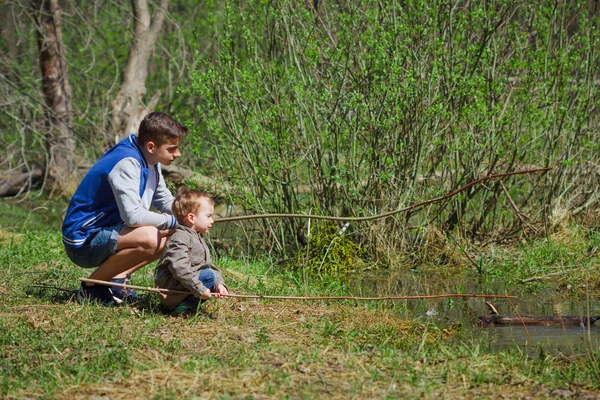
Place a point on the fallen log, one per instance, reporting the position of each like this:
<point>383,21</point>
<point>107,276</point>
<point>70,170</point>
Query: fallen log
<point>13,182</point>
<point>537,320</point>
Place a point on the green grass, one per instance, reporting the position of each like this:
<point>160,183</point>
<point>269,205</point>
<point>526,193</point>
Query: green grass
<point>31,214</point>
<point>52,347</point>
<point>566,262</point>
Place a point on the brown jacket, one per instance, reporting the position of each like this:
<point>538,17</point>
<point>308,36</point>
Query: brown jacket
<point>185,254</point>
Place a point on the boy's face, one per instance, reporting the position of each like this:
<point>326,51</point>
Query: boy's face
<point>202,220</point>
<point>164,154</point>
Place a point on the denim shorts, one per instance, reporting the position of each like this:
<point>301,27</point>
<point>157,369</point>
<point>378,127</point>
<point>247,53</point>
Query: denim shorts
<point>97,248</point>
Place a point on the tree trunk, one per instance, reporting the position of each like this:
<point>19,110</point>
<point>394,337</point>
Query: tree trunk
<point>57,92</point>
<point>128,109</point>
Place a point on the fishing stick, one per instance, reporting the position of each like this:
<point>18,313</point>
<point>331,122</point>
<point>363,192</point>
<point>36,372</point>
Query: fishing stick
<point>256,296</point>
<point>389,213</point>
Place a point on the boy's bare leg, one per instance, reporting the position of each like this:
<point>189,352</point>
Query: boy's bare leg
<point>136,247</point>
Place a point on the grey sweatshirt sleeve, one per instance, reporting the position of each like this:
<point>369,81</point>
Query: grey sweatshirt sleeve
<point>124,180</point>
<point>163,199</point>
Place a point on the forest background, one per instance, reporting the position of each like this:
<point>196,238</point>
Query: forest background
<point>333,108</point>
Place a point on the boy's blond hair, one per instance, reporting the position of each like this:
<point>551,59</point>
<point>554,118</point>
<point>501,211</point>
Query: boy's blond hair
<point>188,201</point>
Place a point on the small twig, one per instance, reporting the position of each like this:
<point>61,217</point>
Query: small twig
<point>512,203</point>
<point>53,287</point>
<point>28,306</point>
<point>520,214</point>
<point>590,201</point>
<point>29,214</point>
<point>493,309</point>
<point>540,277</point>
<point>464,251</point>
<point>339,234</point>
<point>521,318</point>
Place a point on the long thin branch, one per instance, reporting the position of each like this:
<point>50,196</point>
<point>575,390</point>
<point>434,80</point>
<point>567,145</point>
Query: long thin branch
<point>387,214</point>
<point>254,296</point>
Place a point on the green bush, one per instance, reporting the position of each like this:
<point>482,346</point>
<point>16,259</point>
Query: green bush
<point>362,107</point>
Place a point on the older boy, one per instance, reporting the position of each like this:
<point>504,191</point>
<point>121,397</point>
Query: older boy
<point>109,225</point>
<point>186,263</point>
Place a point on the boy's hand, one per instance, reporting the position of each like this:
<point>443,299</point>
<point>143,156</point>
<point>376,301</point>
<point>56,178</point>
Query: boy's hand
<point>166,232</point>
<point>222,291</point>
<point>205,295</point>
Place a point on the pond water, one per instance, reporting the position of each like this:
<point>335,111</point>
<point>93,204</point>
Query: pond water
<point>567,340</point>
<point>450,311</point>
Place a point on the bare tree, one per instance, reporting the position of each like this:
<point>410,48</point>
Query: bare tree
<point>60,143</point>
<point>46,149</point>
<point>128,108</point>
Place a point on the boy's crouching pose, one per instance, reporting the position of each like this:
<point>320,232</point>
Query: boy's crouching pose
<point>109,225</point>
<point>185,263</point>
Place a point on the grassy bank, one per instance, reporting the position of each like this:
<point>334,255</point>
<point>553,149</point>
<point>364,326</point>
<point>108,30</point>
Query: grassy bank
<point>52,347</point>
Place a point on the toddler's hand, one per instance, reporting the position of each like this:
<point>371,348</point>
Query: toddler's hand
<point>205,295</point>
<point>222,291</point>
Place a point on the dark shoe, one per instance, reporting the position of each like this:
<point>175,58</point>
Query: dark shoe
<point>123,295</point>
<point>99,294</point>
<point>188,306</point>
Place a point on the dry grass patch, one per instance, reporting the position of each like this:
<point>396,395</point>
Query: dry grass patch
<point>246,348</point>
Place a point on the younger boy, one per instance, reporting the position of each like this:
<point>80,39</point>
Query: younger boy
<point>186,263</point>
<point>108,225</point>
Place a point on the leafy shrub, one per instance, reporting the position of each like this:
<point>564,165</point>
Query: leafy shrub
<point>362,107</point>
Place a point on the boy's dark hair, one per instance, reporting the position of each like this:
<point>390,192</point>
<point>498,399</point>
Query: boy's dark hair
<point>158,127</point>
<point>188,201</point>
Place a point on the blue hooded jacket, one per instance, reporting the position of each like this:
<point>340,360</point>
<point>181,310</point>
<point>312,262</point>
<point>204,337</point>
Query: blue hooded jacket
<point>94,206</point>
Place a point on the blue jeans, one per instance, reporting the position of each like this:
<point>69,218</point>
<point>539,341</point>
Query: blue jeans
<point>96,249</point>
<point>207,277</point>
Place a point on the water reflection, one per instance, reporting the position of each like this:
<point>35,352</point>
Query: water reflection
<point>550,339</point>
<point>449,311</point>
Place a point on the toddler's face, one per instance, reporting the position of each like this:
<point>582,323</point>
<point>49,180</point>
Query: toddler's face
<point>203,217</point>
